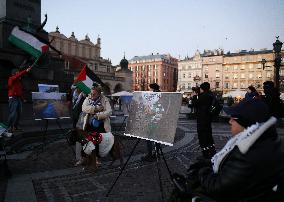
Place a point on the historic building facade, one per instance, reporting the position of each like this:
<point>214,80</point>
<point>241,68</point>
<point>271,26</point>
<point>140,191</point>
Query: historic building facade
<point>160,69</point>
<point>77,53</point>
<point>245,68</point>
<point>228,72</point>
<point>212,62</point>
<point>190,73</point>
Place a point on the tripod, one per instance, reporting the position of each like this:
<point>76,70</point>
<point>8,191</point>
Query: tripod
<point>159,153</point>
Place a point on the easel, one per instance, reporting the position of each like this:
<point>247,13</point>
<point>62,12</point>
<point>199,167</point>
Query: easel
<point>7,172</point>
<point>46,124</point>
<point>158,152</point>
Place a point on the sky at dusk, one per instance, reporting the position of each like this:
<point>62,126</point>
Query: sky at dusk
<point>178,27</point>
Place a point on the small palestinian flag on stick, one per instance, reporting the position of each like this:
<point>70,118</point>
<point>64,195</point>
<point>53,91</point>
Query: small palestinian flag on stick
<point>27,42</point>
<point>85,80</point>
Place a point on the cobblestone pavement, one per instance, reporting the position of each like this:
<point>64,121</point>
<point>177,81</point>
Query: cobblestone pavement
<point>54,178</point>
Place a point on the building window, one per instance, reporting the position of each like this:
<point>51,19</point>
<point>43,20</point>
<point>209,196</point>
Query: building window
<point>206,76</point>
<point>143,68</point>
<point>243,85</point>
<point>108,69</point>
<point>226,68</point>
<point>242,76</point>
<point>67,64</point>
<point>268,74</point>
<point>250,76</point>
<point>183,75</point>
<point>235,76</point>
<point>259,75</point>
<point>226,85</point>
<point>259,66</point>
<point>206,68</point>
<point>137,68</point>
<point>149,73</point>
<point>189,85</point>
<point>217,75</point>
<point>235,67</point>
<point>189,67</point>
<point>251,66</point>
<point>242,67</point>
<point>235,85</point>
<point>131,68</point>
<point>189,75</point>
<point>165,75</point>
<point>217,85</point>
<point>96,67</point>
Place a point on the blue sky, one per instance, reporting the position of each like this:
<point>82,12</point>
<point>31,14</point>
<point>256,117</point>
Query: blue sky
<point>178,27</point>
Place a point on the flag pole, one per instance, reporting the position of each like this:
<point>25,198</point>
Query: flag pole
<point>35,61</point>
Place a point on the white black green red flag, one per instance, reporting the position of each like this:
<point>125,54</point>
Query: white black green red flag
<point>27,42</point>
<point>85,80</point>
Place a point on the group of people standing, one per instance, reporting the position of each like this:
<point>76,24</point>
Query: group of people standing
<point>201,101</point>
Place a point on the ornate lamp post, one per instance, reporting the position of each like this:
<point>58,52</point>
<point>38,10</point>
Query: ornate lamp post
<point>277,45</point>
<point>196,79</point>
<point>263,61</point>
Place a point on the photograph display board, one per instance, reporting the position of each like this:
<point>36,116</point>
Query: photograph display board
<point>3,128</point>
<point>153,116</point>
<point>50,105</point>
<point>46,88</point>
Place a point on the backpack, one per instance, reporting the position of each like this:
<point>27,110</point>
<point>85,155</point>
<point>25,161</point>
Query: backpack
<point>215,107</point>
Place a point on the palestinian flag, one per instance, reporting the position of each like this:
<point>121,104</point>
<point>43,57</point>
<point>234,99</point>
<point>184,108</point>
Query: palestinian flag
<point>85,80</point>
<point>27,42</point>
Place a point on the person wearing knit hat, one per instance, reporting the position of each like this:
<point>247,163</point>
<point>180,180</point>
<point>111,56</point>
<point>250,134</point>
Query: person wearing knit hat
<point>250,166</point>
<point>248,112</point>
<point>204,129</point>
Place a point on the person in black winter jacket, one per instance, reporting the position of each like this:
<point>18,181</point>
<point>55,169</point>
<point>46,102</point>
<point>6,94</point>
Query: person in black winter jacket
<point>272,99</point>
<point>204,120</point>
<point>250,167</point>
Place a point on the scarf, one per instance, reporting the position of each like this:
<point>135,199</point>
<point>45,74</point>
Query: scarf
<point>243,140</point>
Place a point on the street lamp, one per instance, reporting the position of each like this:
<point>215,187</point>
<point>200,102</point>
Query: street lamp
<point>196,79</point>
<point>277,45</point>
<point>263,61</point>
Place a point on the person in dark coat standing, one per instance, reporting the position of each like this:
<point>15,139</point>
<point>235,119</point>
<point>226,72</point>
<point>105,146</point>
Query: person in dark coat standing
<point>272,99</point>
<point>204,120</point>
<point>251,93</point>
<point>150,155</point>
<point>77,102</point>
<point>195,93</point>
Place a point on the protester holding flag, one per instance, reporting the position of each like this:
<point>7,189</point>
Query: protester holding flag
<point>77,101</point>
<point>15,94</point>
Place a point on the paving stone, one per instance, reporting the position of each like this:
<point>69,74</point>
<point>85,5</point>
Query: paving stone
<point>138,182</point>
